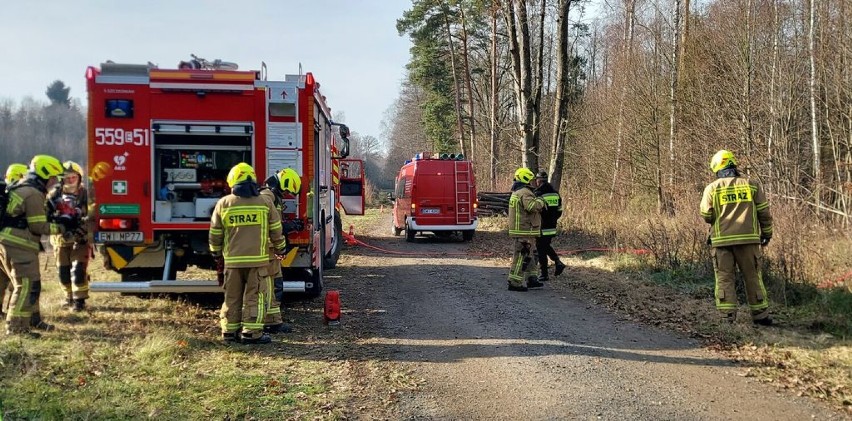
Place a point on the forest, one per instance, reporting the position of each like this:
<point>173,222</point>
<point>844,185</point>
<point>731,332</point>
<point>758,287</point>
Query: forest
<point>624,103</point>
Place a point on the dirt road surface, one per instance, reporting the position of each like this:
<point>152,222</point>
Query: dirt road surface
<point>478,351</point>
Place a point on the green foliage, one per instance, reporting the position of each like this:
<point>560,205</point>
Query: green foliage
<point>429,68</point>
<point>58,93</point>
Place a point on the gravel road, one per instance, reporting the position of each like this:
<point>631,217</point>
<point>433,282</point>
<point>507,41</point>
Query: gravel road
<point>483,352</point>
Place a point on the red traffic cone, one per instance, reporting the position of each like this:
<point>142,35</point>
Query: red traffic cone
<point>331,313</point>
<point>351,229</point>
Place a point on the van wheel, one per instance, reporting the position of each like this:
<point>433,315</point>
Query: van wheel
<point>467,235</point>
<point>409,234</point>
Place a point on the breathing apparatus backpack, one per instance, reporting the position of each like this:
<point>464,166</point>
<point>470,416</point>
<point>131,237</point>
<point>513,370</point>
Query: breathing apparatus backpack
<point>5,220</point>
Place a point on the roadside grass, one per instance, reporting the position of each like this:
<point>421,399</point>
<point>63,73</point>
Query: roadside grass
<point>808,351</point>
<point>130,358</point>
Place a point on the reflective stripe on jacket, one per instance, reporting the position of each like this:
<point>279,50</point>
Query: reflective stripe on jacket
<point>81,201</point>
<point>243,229</point>
<point>30,202</point>
<point>276,204</point>
<point>738,211</point>
<point>553,210</point>
<point>525,213</point>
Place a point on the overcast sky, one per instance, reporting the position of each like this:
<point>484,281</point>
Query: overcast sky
<point>351,46</point>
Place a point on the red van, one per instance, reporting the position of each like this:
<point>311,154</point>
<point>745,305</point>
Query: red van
<point>435,193</point>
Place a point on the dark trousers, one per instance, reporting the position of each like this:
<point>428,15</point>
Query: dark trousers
<point>545,250</point>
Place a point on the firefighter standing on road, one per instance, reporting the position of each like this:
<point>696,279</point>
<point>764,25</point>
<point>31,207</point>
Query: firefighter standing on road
<point>23,225</point>
<point>242,227</point>
<point>285,181</point>
<point>14,173</point>
<point>524,226</point>
<point>549,217</point>
<point>71,250</point>
<point>738,211</point>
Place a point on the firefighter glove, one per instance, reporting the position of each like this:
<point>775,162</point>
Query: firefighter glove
<point>68,222</point>
<point>764,240</point>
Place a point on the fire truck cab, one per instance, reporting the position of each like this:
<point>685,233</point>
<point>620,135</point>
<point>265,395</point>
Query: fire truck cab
<point>160,144</point>
<point>435,193</point>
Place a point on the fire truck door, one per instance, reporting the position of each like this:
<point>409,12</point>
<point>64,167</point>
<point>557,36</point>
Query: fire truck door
<point>352,186</point>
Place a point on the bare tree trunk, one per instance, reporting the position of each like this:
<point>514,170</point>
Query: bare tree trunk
<point>773,110</point>
<point>814,123</point>
<point>673,92</point>
<point>560,106</point>
<point>493,99</point>
<point>456,88</point>
<point>627,54</point>
<point>745,115</point>
<point>470,109</point>
<point>519,41</point>
<point>537,86</point>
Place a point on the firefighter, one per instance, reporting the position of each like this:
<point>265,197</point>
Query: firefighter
<point>242,227</point>
<point>524,226</point>
<point>24,223</point>
<point>285,182</point>
<point>71,250</point>
<point>549,216</point>
<point>737,209</point>
<point>14,173</point>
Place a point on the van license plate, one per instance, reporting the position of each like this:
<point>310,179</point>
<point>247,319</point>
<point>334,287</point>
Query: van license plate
<point>430,210</point>
<point>120,237</point>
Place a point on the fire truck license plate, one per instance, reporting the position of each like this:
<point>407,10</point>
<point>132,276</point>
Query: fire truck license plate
<point>431,210</point>
<point>123,237</point>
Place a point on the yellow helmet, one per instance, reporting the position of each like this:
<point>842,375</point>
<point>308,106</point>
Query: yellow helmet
<point>290,181</point>
<point>723,159</point>
<point>240,173</point>
<point>15,172</point>
<point>524,175</point>
<point>71,166</point>
<point>46,166</point>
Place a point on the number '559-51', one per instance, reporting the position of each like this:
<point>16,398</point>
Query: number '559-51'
<point>118,137</point>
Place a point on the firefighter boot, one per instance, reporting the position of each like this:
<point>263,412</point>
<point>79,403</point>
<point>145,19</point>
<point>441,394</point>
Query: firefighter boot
<point>37,323</point>
<point>532,282</point>
<point>230,337</point>
<point>560,267</point>
<point>79,304</point>
<point>65,280</point>
<point>518,288</point>
<point>262,339</point>
<point>278,328</point>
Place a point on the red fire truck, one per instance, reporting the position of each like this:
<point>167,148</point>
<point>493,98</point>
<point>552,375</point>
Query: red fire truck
<point>160,144</point>
<point>435,193</point>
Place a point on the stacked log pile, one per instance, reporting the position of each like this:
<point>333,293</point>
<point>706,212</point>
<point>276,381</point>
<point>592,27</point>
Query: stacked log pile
<point>493,203</point>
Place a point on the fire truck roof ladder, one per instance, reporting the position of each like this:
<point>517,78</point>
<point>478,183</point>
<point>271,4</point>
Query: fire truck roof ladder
<point>463,199</point>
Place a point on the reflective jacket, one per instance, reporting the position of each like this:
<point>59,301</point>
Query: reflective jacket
<point>78,200</point>
<point>525,213</point>
<point>28,200</point>
<point>738,211</point>
<point>243,229</point>
<point>271,199</point>
<point>552,212</point>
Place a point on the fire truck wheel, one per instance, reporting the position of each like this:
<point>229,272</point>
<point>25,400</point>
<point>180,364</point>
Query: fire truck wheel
<point>316,289</point>
<point>333,255</point>
<point>409,234</point>
<point>467,235</point>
